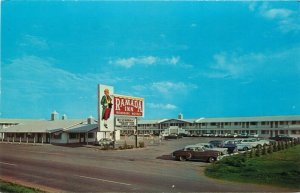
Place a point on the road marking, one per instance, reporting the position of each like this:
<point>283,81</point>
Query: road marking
<point>7,164</point>
<point>104,180</point>
<point>41,152</point>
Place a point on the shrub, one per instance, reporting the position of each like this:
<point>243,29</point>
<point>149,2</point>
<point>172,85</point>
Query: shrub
<point>275,147</point>
<point>264,150</point>
<point>141,144</point>
<point>258,151</point>
<point>270,149</point>
<point>252,153</point>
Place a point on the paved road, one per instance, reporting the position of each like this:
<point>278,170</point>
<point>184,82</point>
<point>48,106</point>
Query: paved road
<point>88,169</point>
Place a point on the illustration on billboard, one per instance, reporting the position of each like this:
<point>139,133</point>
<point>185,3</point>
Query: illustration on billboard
<point>105,108</point>
<point>128,106</point>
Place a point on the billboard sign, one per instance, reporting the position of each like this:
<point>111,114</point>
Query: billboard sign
<point>125,122</point>
<point>128,106</point>
<point>105,108</point>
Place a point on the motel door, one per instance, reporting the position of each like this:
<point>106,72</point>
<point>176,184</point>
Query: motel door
<point>82,137</point>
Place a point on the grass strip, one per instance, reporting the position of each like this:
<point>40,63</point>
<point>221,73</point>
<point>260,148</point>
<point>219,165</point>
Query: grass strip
<point>15,188</point>
<point>279,168</point>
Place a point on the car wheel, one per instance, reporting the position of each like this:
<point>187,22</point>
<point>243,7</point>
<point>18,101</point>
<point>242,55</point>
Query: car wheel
<point>211,159</point>
<point>182,158</point>
<point>189,156</point>
<point>245,148</point>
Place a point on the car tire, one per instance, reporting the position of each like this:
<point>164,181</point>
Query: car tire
<point>211,159</point>
<point>182,158</point>
<point>245,149</point>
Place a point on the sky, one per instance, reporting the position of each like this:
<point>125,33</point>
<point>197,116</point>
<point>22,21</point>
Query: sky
<point>198,58</point>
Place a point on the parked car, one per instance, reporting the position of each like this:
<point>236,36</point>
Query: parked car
<point>243,135</point>
<point>172,136</point>
<point>282,138</point>
<point>216,143</point>
<point>194,152</point>
<point>208,146</point>
<point>230,145</point>
<point>255,142</point>
<point>184,135</point>
<point>253,135</point>
<point>242,146</point>
<point>105,142</point>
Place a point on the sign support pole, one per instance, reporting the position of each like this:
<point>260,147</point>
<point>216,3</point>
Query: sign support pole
<point>114,134</point>
<point>136,133</point>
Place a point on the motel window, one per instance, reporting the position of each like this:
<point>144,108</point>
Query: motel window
<point>203,124</point>
<point>236,123</point>
<point>73,135</point>
<point>264,123</point>
<point>281,132</point>
<point>90,135</point>
<point>30,135</point>
<point>281,122</point>
<point>264,132</point>
<point>294,122</point>
<point>295,132</point>
<point>10,135</point>
<point>56,135</point>
<point>227,123</point>
<point>213,124</point>
<point>18,135</point>
<point>253,123</point>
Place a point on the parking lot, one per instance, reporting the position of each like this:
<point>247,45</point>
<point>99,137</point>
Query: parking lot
<point>86,168</point>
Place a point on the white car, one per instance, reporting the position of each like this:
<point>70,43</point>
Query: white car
<point>209,146</point>
<point>255,142</point>
<point>239,146</point>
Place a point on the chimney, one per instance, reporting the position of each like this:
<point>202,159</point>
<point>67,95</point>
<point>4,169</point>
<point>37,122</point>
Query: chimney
<point>54,116</point>
<point>180,116</point>
<point>90,120</point>
<point>64,117</point>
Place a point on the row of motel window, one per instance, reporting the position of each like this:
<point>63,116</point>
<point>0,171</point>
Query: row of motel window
<point>53,135</point>
<point>225,124</point>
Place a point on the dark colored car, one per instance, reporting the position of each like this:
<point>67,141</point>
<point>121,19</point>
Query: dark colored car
<point>105,142</point>
<point>194,152</point>
<point>230,145</point>
<point>282,138</point>
<point>216,143</point>
<point>173,136</point>
<point>183,135</point>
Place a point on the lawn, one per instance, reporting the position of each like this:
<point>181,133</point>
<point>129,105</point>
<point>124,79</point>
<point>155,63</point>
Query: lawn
<point>279,168</point>
<point>15,188</point>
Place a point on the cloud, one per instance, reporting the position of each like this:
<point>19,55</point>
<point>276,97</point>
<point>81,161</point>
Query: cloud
<point>144,61</point>
<point>277,13</point>
<point>234,65</point>
<point>33,76</point>
<point>34,41</point>
<point>161,106</point>
<point>167,87</point>
<point>287,19</point>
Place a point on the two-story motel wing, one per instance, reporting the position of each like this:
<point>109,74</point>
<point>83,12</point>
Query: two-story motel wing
<point>84,131</point>
<point>265,126</point>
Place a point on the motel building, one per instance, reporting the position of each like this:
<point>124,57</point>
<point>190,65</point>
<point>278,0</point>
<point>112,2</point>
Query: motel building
<point>266,126</point>
<point>54,131</point>
<point>66,131</point>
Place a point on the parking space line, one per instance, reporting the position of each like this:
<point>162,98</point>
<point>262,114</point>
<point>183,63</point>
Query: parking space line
<point>99,179</point>
<point>7,163</point>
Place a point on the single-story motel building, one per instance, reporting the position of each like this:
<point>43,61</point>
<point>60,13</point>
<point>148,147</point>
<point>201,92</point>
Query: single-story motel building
<point>64,131</point>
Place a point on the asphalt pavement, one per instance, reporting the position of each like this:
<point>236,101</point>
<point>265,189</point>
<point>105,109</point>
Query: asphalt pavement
<point>86,168</point>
